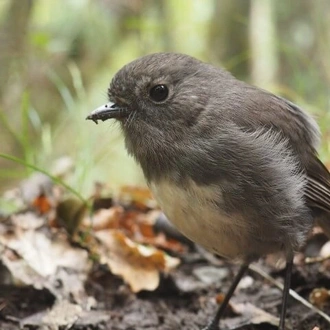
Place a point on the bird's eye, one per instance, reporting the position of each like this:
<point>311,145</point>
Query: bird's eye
<point>159,93</point>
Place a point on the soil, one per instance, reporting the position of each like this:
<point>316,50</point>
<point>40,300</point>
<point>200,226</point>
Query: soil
<point>186,299</point>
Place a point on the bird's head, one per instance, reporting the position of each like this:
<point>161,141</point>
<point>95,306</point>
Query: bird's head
<point>161,100</point>
<point>158,91</point>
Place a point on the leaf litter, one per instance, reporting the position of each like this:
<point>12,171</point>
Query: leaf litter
<point>116,262</point>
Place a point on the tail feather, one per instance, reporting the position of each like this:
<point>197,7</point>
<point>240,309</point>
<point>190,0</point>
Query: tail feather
<point>318,192</point>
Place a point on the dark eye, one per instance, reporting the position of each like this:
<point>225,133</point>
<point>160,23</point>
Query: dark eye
<point>159,93</point>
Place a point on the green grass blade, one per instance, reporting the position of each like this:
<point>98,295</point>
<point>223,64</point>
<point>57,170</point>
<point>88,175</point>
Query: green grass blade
<point>54,178</point>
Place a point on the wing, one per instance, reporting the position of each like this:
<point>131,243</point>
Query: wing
<point>295,125</point>
<point>318,185</point>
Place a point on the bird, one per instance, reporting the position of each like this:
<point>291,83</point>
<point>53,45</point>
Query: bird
<point>234,167</point>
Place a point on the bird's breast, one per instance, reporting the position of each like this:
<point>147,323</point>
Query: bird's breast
<point>196,211</point>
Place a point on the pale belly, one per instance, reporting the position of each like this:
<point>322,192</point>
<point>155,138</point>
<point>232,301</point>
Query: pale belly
<point>193,211</point>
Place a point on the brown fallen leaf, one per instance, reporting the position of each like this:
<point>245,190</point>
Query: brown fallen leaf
<point>137,264</point>
<point>36,256</point>
<point>136,225</point>
<point>105,219</point>
<point>319,297</point>
<point>42,204</point>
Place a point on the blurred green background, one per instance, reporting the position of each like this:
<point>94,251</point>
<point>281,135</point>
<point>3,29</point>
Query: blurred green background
<point>57,58</point>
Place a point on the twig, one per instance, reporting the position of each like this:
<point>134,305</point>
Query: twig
<point>293,293</point>
<point>312,260</point>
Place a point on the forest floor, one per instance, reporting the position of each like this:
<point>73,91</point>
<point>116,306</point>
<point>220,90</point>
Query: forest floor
<point>59,270</point>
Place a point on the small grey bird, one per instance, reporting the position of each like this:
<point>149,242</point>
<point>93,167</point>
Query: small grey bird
<point>234,167</point>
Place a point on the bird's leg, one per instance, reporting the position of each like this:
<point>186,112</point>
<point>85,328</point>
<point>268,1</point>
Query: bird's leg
<point>287,282</point>
<point>214,324</point>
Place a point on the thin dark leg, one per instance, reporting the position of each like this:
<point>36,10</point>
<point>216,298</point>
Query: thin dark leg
<point>287,282</point>
<point>214,324</point>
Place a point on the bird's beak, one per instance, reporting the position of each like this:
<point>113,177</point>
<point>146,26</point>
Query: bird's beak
<point>108,111</point>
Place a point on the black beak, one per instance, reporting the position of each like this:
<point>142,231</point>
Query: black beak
<point>108,111</point>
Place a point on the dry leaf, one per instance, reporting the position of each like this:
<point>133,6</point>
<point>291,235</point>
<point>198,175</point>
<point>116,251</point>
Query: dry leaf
<point>65,315</point>
<point>40,252</point>
<point>319,297</point>
<point>28,220</point>
<point>137,264</point>
<point>20,270</point>
<point>42,204</point>
<point>249,314</point>
<point>62,313</point>
<point>105,218</point>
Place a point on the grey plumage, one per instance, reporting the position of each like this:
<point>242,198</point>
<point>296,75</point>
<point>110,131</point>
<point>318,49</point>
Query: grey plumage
<point>233,166</point>
<point>259,149</point>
